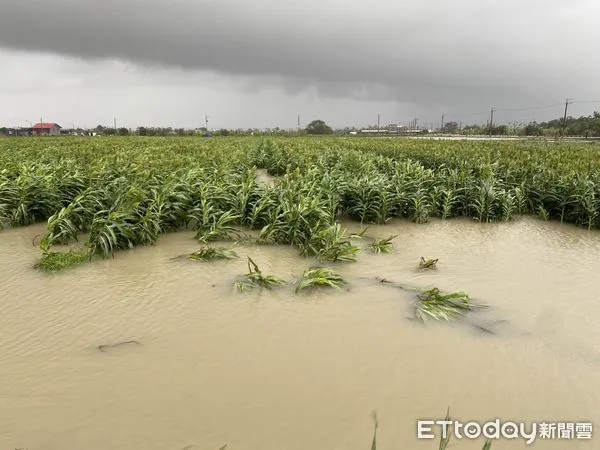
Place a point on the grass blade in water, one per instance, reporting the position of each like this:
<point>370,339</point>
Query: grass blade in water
<point>320,276</point>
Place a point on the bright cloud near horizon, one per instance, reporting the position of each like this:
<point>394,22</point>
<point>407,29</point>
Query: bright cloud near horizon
<point>261,63</point>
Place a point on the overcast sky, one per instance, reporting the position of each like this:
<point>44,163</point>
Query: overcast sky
<point>260,63</point>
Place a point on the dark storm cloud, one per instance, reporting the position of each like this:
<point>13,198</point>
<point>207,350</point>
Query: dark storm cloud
<point>428,52</point>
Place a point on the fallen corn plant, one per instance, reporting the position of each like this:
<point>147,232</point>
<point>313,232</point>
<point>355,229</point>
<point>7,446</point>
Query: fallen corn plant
<point>255,279</point>
<point>428,263</point>
<point>478,325</point>
<point>320,276</point>
<point>360,234</point>
<point>56,261</point>
<point>435,305</point>
<point>206,253</point>
<point>383,245</point>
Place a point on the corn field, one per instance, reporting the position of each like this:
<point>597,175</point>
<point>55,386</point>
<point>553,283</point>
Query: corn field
<point>124,192</point>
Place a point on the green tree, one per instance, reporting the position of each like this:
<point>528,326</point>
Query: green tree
<point>318,127</point>
<point>533,129</point>
<point>500,130</point>
<point>450,128</point>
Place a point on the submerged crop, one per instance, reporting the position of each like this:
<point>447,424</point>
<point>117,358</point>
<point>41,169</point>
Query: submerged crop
<point>123,192</point>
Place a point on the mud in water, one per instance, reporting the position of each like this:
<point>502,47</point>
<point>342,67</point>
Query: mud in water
<point>262,176</point>
<point>274,370</point>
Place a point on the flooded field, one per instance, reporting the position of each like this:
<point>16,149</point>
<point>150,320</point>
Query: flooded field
<point>275,370</point>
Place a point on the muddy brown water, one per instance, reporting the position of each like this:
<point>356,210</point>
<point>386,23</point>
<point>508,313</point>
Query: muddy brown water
<point>280,371</point>
<point>262,176</point>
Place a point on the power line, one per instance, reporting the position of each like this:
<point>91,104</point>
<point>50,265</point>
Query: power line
<point>529,108</point>
<point>469,114</point>
<point>445,116</point>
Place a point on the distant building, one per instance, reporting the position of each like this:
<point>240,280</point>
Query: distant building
<point>397,128</point>
<point>16,131</point>
<point>374,131</point>
<point>46,128</point>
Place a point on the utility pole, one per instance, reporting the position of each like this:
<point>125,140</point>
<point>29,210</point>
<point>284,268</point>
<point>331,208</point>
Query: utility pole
<point>567,103</point>
<point>442,129</point>
<point>377,122</point>
<point>115,120</point>
<point>492,120</point>
<point>298,124</point>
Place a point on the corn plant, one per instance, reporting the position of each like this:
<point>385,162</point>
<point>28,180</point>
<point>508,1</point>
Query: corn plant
<point>543,213</point>
<point>420,206</point>
<point>383,245</point>
<point>132,191</point>
<point>449,199</point>
<point>320,276</point>
<point>485,201</point>
<point>111,231</point>
<point>331,244</point>
<point>255,279</point>
<point>217,226</point>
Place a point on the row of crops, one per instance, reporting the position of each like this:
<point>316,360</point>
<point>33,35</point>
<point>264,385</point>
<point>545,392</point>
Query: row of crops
<point>123,192</point>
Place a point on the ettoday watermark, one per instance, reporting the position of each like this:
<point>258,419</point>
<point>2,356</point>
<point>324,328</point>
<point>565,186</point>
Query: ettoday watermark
<point>498,429</point>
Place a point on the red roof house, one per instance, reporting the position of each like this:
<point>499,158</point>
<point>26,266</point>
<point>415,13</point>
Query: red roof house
<point>47,128</point>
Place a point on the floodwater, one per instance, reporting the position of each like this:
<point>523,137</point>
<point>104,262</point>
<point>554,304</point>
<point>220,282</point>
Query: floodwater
<point>262,176</point>
<point>280,371</point>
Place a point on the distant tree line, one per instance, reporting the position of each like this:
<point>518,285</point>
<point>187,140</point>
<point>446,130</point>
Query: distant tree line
<point>581,126</point>
<point>315,127</point>
<point>169,131</point>
<point>586,126</point>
